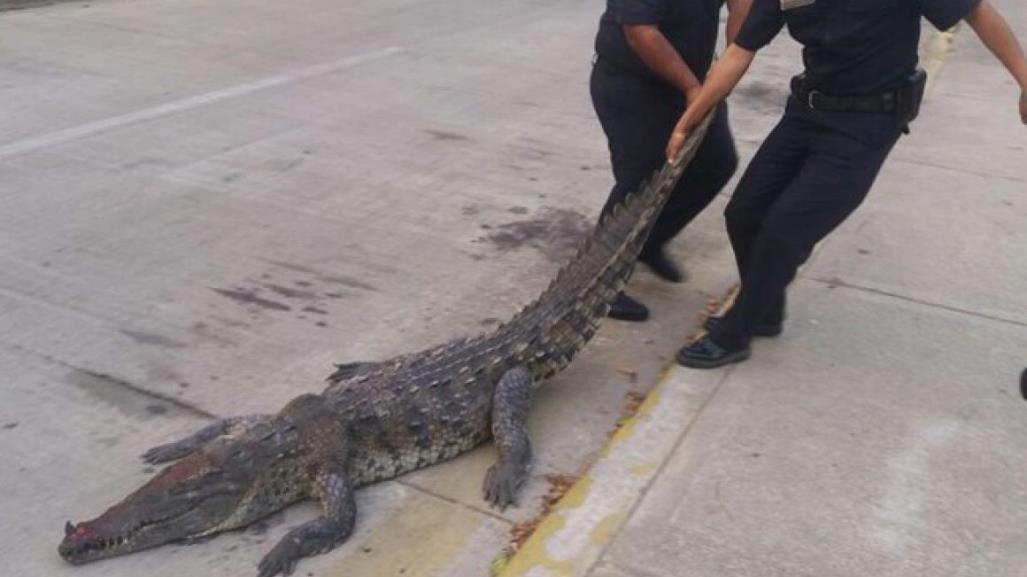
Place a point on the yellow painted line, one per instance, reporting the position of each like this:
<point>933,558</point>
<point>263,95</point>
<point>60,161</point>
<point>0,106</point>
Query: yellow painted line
<point>543,554</point>
<point>533,555</point>
<point>580,525</point>
<point>534,559</point>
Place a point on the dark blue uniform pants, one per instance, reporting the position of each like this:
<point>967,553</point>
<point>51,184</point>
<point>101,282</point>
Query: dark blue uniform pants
<point>811,172</point>
<point>638,115</point>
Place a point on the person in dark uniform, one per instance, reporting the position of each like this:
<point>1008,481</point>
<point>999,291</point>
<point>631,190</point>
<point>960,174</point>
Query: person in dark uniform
<point>860,90</point>
<point>651,58</point>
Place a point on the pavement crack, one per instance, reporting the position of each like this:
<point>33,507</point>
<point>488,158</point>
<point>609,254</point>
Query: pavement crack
<point>482,510</point>
<point>960,169</point>
<point>837,282</point>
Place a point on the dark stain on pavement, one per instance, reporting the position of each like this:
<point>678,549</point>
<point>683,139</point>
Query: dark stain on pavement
<point>291,293</point>
<point>339,279</point>
<point>555,232</point>
<point>119,394</point>
<point>151,339</point>
<point>350,282</point>
<point>283,164</point>
<point>9,426</point>
<point>444,135</point>
<point>250,298</point>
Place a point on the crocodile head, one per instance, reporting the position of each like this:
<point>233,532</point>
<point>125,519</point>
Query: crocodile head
<point>189,499</point>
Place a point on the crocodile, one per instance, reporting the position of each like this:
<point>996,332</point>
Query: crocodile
<point>378,420</point>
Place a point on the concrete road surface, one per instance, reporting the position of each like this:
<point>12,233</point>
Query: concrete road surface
<point>205,204</point>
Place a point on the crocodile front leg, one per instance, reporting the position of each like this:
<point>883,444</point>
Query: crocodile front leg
<point>510,403</point>
<point>232,427</point>
<point>333,488</point>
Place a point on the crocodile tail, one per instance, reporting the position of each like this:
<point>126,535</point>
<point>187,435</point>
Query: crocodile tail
<point>567,314</point>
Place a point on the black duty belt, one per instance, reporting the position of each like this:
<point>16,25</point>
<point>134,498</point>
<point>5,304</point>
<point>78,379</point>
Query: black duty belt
<point>816,100</point>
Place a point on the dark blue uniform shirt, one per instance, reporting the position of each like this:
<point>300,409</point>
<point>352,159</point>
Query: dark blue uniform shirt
<point>852,47</point>
<point>690,26</point>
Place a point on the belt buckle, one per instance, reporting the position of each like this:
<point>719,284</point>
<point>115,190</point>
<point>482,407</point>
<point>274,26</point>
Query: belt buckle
<point>809,99</point>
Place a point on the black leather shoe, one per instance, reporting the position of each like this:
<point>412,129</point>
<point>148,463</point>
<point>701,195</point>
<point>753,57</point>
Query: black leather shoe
<point>760,330</point>
<point>662,266</point>
<point>706,354</point>
<point>625,308</point>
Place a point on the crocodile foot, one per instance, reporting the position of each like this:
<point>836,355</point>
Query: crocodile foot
<point>169,452</point>
<point>281,560</point>
<point>502,482</point>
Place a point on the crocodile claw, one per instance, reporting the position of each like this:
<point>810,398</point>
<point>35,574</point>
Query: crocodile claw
<point>502,481</point>
<point>165,453</point>
<point>282,559</point>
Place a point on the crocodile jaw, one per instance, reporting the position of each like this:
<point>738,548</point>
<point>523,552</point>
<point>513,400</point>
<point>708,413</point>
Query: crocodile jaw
<point>188,499</point>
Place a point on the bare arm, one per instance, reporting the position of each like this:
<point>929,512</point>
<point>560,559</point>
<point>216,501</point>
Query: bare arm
<point>656,51</point>
<point>995,33</point>
<point>723,78</point>
<point>737,10</point>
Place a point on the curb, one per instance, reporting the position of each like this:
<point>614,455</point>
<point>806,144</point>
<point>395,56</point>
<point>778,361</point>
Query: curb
<point>571,539</point>
<point>579,528</point>
<point>574,535</point>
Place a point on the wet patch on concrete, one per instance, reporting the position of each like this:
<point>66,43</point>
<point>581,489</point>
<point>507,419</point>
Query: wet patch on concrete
<point>145,162</point>
<point>152,339</point>
<point>349,282</point>
<point>250,298</point>
<point>555,232</point>
<point>445,135</point>
<point>283,164</point>
<point>310,291</point>
<point>291,293</point>
<point>205,333</point>
<point>333,278</point>
<point>127,398</point>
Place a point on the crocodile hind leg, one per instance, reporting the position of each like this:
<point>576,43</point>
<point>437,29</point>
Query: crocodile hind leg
<point>232,427</point>
<point>328,531</point>
<point>510,403</point>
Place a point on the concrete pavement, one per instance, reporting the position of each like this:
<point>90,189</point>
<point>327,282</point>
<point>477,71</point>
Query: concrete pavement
<point>883,433</point>
<point>205,204</point>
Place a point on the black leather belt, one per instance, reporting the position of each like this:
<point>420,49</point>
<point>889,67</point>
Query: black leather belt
<point>816,100</point>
